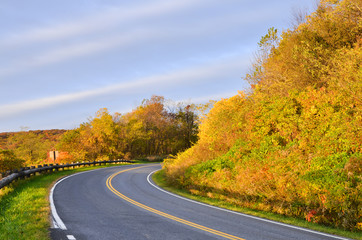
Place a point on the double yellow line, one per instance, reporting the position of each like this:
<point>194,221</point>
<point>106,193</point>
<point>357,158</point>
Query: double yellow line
<point>180,220</point>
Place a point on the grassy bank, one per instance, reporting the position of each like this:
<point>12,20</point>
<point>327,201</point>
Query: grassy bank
<point>159,178</point>
<point>24,206</point>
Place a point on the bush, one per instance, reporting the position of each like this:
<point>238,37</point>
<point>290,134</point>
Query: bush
<point>8,161</point>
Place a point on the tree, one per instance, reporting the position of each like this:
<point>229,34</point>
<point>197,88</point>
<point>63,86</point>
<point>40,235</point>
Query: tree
<point>307,55</point>
<point>148,130</point>
<point>188,127</point>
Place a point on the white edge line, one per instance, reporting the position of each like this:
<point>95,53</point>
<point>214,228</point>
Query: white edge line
<point>71,237</point>
<point>241,214</point>
<point>57,221</point>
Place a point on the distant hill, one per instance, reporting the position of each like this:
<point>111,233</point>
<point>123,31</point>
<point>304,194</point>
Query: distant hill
<point>52,135</point>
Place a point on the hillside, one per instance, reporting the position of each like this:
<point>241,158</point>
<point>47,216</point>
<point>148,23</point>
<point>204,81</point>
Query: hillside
<point>52,134</point>
<point>293,144</point>
<point>27,147</point>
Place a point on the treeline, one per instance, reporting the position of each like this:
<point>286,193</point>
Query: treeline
<point>293,144</point>
<point>154,129</point>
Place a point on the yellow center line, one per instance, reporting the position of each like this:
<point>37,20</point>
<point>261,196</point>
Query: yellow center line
<point>180,220</point>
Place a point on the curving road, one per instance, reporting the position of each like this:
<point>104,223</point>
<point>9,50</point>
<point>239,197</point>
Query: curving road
<point>122,203</point>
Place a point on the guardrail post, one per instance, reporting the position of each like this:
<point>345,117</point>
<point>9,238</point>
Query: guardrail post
<point>40,171</point>
<point>15,171</point>
<point>46,170</point>
<point>24,175</point>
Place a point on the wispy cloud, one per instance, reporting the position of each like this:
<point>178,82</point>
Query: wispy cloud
<point>77,50</point>
<point>122,38</point>
<point>98,23</point>
<point>168,80</point>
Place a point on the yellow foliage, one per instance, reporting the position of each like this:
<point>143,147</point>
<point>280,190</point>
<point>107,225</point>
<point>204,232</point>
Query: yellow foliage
<point>293,146</point>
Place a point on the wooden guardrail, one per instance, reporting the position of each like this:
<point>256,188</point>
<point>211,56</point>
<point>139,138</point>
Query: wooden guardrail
<point>10,176</point>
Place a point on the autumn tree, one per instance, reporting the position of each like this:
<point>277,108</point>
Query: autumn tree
<point>154,129</point>
<point>150,129</point>
<point>322,51</point>
<point>72,143</point>
<point>104,136</point>
<point>94,140</point>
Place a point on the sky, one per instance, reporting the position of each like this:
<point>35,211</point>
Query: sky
<point>63,60</point>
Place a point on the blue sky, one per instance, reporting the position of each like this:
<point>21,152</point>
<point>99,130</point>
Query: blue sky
<point>62,60</point>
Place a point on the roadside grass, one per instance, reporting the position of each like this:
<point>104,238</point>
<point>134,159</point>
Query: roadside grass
<point>24,206</point>
<point>160,179</point>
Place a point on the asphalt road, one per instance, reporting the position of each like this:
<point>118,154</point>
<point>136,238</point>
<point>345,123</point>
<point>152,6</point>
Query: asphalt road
<point>120,203</point>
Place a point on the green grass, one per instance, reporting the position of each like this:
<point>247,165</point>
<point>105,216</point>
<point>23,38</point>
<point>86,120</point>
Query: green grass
<point>24,206</point>
<point>160,179</point>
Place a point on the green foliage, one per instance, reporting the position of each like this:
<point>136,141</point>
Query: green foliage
<point>292,146</point>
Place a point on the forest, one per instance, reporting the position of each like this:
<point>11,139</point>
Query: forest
<point>292,144</point>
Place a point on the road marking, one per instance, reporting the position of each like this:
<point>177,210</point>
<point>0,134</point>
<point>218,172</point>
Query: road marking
<point>242,214</point>
<point>71,237</point>
<point>57,221</point>
<point>180,220</point>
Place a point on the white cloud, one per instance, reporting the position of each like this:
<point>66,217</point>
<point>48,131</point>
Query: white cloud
<point>168,80</point>
<point>105,43</point>
<point>77,50</point>
<point>98,23</point>
<point>136,38</point>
